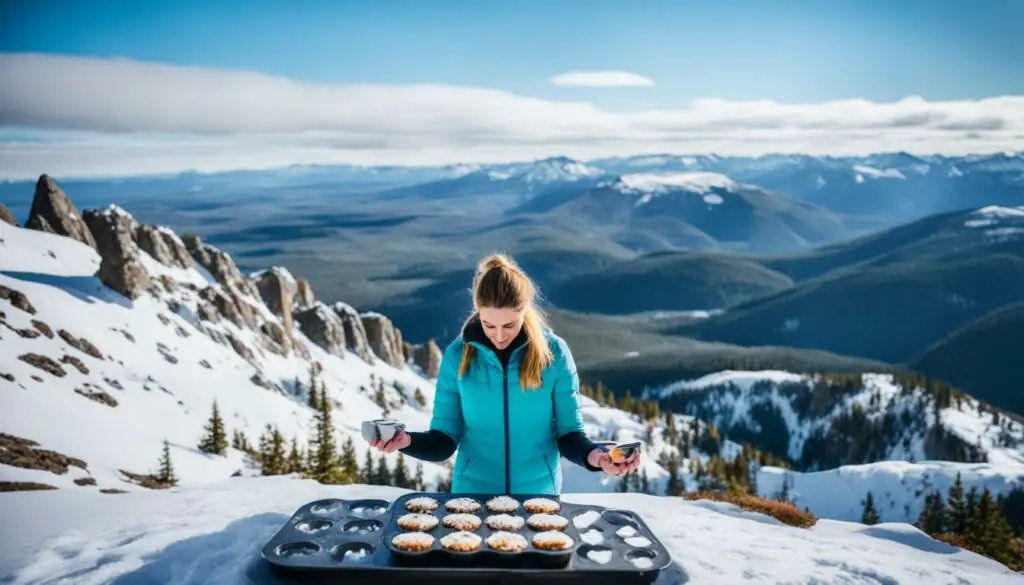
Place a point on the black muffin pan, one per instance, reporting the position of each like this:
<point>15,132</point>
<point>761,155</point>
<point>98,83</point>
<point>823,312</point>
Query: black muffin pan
<point>338,536</point>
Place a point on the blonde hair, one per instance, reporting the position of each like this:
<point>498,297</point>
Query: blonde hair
<point>500,283</point>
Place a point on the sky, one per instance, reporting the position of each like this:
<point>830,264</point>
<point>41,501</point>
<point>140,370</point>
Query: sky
<point>124,87</point>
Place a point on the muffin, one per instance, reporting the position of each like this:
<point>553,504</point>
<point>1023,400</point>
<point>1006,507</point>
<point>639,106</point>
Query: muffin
<point>461,521</point>
<point>418,522</point>
<point>413,541</point>
<point>421,504</point>
<point>506,541</point>
<point>462,505</point>
<point>461,541</point>
<point>552,540</point>
<point>502,504</point>
<point>547,522</point>
<point>541,506</point>
<point>505,522</point>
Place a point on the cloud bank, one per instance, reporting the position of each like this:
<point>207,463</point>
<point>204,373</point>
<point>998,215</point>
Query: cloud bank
<point>601,79</point>
<point>82,116</point>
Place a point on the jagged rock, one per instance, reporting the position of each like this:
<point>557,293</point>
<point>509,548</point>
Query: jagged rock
<point>276,340</point>
<point>427,356</point>
<point>241,348</point>
<point>407,350</point>
<point>304,297</point>
<point>120,266</point>
<point>6,215</point>
<point>207,312</point>
<point>179,254</point>
<point>52,211</point>
<point>17,299</point>
<point>80,343</point>
<point>277,288</point>
<point>227,302</point>
<point>323,327</point>
<point>73,361</point>
<point>152,243</point>
<point>355,332</point>
<point>219,264</point>
<point>43,363</point>
<point>384,338</point>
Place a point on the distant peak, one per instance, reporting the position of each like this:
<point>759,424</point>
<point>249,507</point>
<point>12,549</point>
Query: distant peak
<point>699,182</point>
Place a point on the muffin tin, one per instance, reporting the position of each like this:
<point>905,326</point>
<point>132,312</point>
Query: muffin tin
<point>355,536</point>
<point>529,556</point>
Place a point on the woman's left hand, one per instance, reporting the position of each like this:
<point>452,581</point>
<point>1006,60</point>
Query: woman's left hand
<point>601,458</point>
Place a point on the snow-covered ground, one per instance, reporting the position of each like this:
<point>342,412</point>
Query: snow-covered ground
<point>214,533</point>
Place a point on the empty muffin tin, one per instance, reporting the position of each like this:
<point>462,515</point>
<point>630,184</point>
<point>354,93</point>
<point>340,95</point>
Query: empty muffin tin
<point>355,536</point>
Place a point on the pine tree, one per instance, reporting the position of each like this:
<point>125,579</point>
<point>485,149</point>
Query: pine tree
<point>275,462</point>
<point>368,473</point>
<point>932,518</point>
<point>383,475</point>
<point>674,485</point>
<point>294,463</point>
<point>215,440</point>
<point>645,483</point>
<point>324,467</point>
<point>165,475</point>
<point>418,483</point>
<point>956,509</point>
<point>445,485</point>
<point>349,462</point>
<point>240,441</point>
<point>400,478</point>
<point>313,396</point>
<point>870,515</point>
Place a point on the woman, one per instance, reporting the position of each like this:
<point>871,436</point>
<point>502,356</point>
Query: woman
<point>507,397</point>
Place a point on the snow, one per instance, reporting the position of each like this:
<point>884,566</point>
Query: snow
<point>214,534</point>
<point>873,173</point>
<point>158,399</point>
<point>697,182</point>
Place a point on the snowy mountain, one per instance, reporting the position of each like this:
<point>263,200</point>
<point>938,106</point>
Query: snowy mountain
<point>657,210</point>
<point>890,435</point>
<point>900,185</point>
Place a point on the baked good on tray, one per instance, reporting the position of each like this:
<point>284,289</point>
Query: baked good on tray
<point>417,521</point>
<point>413,541</point>
<point>547,522</point>
<point>462,505</point>
<point>502,504</point>
<point>461,521</point>
<point>421,504</point>
<point>552,540</point>
<point>541,506</point>
<point>461,541</point>
<point>504,522</point>
<point>506,541</point>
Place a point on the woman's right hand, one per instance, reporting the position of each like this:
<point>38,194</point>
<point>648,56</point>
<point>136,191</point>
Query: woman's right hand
<point>401,440</point>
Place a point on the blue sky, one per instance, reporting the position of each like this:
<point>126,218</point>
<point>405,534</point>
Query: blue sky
<point>749,49</point>
<point>793,58</point>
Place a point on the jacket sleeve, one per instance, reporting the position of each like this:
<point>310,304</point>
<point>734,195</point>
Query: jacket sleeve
<point>447,416</point>
<point>573,443</point>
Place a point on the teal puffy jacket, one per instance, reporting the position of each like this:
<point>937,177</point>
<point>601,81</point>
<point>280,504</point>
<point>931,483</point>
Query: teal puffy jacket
<point>506,436</point>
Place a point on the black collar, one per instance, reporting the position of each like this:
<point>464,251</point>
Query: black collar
<point>474,332</point>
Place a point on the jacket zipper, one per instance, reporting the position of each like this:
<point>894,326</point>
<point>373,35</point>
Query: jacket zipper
<point>508,464</point>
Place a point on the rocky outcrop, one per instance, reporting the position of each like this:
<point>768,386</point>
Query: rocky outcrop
<point>120,267</point>
<point>384,338</point>
<point>52,211</point>
<point>355,333</point>
<point>6,215</point>
<point>219,264</point>
<point>276,340</point>
<point>427,356</point>
<point>228,303</point>
<point>304,297</point>
<point>323,327</point>
<point>179,253</point>
<point>277,289</point>
<point>17,299</point>
<point>152,243</point>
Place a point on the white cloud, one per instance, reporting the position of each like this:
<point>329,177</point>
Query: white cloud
<point>602,79</point>
<point>110,116</point>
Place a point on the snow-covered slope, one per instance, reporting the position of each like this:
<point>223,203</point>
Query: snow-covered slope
<point>809,419</point>
<point>160,370</point>
<point>213,534</point>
